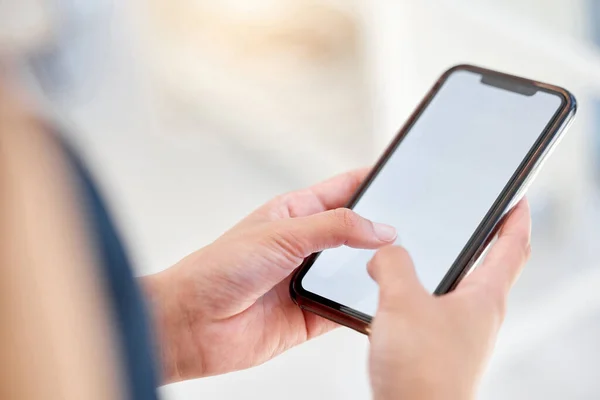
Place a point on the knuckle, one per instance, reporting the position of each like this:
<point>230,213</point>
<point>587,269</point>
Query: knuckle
<point>291,246</point>
<point>282,199</point>
<point>278,206</point>
<point>346,218</point>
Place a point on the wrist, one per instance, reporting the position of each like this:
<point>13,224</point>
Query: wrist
<point>172,327</point>
<point>424,387</point>
<point>423,394</point>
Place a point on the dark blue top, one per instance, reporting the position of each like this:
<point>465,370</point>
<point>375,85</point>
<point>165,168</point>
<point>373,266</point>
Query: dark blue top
<point>129,313</point>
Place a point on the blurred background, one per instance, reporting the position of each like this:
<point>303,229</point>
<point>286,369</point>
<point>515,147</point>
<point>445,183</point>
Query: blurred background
<point>193,112</point>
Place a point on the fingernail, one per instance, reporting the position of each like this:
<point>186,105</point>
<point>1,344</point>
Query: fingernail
<point>385,233</point>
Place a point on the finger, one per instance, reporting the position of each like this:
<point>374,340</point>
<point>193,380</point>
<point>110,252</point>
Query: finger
<point>300,237</point>
<point>393,270</point>
<point>505,260</point>
<point>275,249</point>
<point>287,242</point>
<point>317,325</point>
<point>337,191</point>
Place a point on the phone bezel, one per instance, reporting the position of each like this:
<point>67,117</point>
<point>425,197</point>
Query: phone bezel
<point>490,223</point>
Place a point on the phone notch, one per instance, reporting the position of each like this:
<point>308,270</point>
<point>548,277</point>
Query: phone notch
<point>512,85</point>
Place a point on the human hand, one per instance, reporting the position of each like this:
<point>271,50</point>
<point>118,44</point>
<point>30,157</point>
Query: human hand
<point>227,306</point>
<point>425,347</point>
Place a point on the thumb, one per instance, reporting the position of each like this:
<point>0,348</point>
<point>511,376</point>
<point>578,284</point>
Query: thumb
<point>494,278</point>
<point>393,270</point>
<point>282,245</point>
<point>303,236</point>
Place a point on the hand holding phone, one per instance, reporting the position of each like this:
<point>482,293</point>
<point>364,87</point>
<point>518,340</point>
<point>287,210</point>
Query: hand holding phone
<point>460,164</point>
<point>429,347</point>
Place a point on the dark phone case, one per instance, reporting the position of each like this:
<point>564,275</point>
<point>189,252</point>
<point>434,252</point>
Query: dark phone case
<point>491,223</point>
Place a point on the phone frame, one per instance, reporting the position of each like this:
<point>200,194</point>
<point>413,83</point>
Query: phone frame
<point>487,229</point>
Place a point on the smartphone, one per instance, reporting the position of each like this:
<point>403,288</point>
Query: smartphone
<point>465,157</point>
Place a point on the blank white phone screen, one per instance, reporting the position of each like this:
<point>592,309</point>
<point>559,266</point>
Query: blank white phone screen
<point>439,184</point>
